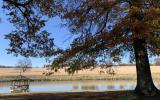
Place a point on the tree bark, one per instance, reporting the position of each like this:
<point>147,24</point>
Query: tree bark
<point>145,85</point>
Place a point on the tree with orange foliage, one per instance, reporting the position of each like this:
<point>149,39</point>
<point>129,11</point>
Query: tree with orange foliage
<point>103,28</point>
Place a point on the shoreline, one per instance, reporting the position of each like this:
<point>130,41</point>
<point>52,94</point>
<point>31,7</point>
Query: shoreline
<point>35,78</point>
<point>88,95</point>
<point>85,95</point>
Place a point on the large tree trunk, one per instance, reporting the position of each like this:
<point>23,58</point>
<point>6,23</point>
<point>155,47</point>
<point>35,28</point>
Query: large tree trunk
<point>145,85</point>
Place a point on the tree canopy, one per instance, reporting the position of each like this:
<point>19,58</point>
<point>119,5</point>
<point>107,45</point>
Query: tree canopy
<point>103,28</point>
<point>28,18</point>
<point>109,28</point>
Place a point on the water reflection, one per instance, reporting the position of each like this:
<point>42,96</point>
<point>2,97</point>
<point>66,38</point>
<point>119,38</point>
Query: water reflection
<point>110,87</point>
<point>75,87</point>
<point>89,88</point>
<point>121,87</point>
<point>64,86</point>
<point>19,90</point>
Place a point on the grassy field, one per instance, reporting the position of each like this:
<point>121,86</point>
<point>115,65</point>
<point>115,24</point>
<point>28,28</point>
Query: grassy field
<point>122,73</point>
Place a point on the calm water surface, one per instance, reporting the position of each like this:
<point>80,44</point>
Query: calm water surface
<point>65,86</point>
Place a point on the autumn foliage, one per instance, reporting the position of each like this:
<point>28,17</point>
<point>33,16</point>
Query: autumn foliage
<point>103,28</point>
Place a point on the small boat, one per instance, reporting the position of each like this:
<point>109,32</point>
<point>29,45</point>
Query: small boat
<point>20,84</point>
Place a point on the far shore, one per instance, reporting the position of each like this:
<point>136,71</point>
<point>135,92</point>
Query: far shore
<point>36,74</point>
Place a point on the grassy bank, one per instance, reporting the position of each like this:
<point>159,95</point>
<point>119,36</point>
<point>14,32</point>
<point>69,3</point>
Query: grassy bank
<point>77,77</point>
<point>71,78</point>
<point>109,95</point>
<point>35,74</point>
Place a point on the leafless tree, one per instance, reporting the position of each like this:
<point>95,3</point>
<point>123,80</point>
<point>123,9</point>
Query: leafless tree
<point>24,65</point>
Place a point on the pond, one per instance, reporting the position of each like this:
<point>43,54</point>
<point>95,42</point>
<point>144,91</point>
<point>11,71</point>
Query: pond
<point>66,86</point>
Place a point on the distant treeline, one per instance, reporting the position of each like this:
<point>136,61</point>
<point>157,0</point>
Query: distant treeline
<point>2,66</point>
<point>135,65</point>
<point>127,65</point>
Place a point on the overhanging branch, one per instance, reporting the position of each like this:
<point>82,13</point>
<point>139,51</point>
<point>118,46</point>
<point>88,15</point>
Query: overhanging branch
<point>69,53</point>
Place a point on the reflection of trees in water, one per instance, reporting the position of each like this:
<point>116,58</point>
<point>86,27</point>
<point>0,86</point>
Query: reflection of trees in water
<point>126,87</point>
<point>121,87</point>
<point>20,91</point>
<point>130,86</point>
<point>110,87</point>
<point>75,87</point>
<point>89,87</point>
